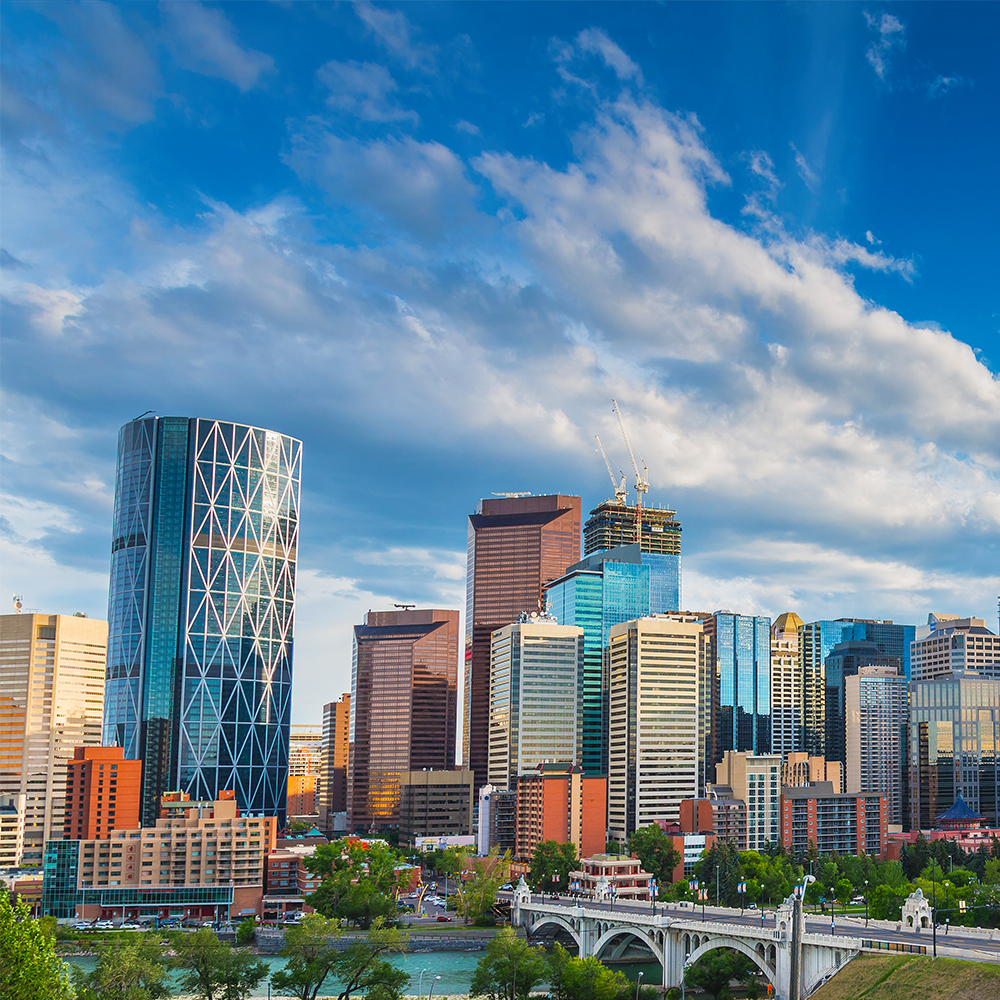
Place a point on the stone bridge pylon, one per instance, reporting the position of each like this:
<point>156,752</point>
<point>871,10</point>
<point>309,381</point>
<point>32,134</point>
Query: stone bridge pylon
<point>794,962</point>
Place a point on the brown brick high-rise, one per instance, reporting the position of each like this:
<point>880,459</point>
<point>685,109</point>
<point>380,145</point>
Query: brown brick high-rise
<point>517,545</point>
<point>102,793</point>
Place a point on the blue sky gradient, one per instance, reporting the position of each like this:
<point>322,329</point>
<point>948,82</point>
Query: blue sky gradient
<point>434,240</point>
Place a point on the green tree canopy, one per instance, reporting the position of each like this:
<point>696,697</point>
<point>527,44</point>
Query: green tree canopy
<point>312,956</point>
<point>214,970</point>
<point>656,851</point>
<point>29,968</point>
<point>358,881</point>
<point>134,968</point>
<point>551,864</point>
<point>509,968</point>
<point>475,896</point>
<point>714,971</point>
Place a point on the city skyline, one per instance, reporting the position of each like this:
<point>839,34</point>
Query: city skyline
<point>807,364</point>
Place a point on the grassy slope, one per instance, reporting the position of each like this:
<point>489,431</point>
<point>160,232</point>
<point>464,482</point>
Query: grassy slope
<point>912,977</point>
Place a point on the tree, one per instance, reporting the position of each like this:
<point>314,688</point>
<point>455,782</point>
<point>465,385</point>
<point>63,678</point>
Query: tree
<point>886,902</point>
<point>312,956</point>
<point>132,969</point>
<point>656,851</point>
<point>588,978</point>
<point>475,896</point>
<point>214,970</point>
<point>843,891</point>
<point>509,968</point>
<point>358,882</point>
<point>361,967</point>
<point>29,968</point>
<point>991,872</point>
<point>551,864</point>
<point>713,972</point>
<point>245,933</point>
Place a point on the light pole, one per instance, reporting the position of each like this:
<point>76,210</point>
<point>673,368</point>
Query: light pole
<point>866,902</point>
<point>430,992</point>
<point>717,868</point>
<point>638,982</point>
<point>420,984</point>
<point>741,888</point>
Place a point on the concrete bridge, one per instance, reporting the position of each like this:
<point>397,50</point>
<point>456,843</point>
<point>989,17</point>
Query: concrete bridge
<point>793,961</point>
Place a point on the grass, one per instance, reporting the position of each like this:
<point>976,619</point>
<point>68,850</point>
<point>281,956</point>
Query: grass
<point>912,977</point>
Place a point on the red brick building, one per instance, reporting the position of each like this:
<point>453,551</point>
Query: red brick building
<point>102,793</point>
<point>559,802</point>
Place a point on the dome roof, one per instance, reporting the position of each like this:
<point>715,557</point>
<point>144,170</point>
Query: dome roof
<point>787,622</point>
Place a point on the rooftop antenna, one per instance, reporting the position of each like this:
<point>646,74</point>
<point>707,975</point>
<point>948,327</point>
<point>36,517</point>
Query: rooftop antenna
<point>641,482</point>
<point>621,490</point>
<point>405,607</point>
<point>18,603</point>
<point>510,496</point>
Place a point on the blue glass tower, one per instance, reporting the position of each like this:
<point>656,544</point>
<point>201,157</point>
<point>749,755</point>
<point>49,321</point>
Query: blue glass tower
<point>741,699</point>
<point>201,609</point>
<point>603,590</point>
<point>817,640</point>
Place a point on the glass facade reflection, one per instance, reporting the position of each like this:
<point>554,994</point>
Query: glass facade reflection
<point>954,736</point>
<point>741,703</point>
<point>603,590</point>
<point>201,608</point>
<point>403,709</point>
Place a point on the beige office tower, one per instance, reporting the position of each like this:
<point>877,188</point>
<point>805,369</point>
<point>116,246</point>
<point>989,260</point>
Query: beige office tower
<point>800,770</point>
<point>51,701</point>
<point>756,780</point>
<point>659,719</point>
<point>786,684</point>
<point>878,712</point>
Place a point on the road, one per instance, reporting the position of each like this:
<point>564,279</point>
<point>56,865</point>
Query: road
<point>957,939</point>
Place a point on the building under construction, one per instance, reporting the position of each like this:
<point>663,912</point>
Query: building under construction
<point>612,524</point>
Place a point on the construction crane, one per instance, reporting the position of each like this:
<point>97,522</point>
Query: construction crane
<point>641,482</point>
<point>621,490</point>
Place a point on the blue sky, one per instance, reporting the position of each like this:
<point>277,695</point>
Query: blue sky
<point>433,241</point>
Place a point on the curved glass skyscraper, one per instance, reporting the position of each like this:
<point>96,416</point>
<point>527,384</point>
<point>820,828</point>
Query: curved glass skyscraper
<point>201,609</point>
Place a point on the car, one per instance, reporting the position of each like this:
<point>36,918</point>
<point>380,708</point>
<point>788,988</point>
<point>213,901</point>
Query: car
<point>753,906</point>
<point>208,923</point>
<point>507,887</point>
<point>104,925</point>
<point>130,926</point>
<point>443,918</point>
<point>170,922</point>
<point>414,895</point>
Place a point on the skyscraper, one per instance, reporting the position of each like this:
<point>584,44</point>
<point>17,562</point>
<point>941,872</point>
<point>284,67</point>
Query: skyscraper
<point>536,669</point>
<point>741,696</point>
<point>331,789</point>
<point>659,682</point>
<point>845,660</point>
<point>786,684</point>
<point>877,717</point>
<point>603,590</point>
<point>201,609</point>
<point>817,642</point>
<point>956,644</point>
<point>102,793</point>
<point>304,755</point>
<point>51,699</point>
<point>403,708</point>
<point>517,545</point>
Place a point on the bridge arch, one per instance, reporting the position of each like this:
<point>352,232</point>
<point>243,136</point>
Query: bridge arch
<point>556,921</point>
<point>611,932</point>
<point>709,943</point>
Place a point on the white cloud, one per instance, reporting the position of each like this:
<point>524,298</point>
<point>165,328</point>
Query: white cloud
<point>808,176</point>
<point>890,34</point>
<point>468,128</point>
<point>393,30</point>
<point>941,85</point>
<point>594,40</point>
<point>202,40</point>
<point>364,90</point>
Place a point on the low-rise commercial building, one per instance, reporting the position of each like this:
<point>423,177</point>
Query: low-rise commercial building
<point>559,802</point>
<point>611,875</point>
<point>434,803</point>
<point>202,858</point>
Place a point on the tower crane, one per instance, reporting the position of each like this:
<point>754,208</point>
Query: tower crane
<point>621,490</point>
<point>641,482</point>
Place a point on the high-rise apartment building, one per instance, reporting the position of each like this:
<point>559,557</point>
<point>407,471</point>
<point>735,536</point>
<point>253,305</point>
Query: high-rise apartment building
<point>536,673</point>
<point>754,779</point>
<point>557,801</point>
<point>602,590</point>
<point>497,822</point>
<point>817,642</point>
<point>817,817</point>
<point>102,793</point>
<point>845,660</point>
<point>954,733</point>
<point>956,644</point>
<point>516,547</point>
<point>741,685</point>
<point>877,717</point>
<point>799,770</point>
<point>304,761</point>
<point>659,682</point>
<point>786,684</point>
<point>331,789</point>
<point>201,608</point>
<point>403,708</point>
<point>51,701</point>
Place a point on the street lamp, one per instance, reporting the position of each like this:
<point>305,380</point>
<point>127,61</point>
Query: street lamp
<point>741,888</point>
<point>638,981</point>
<point>866,902</point>
<point>420,984</point>
<point>430,992</point>
<point>717,868</point>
